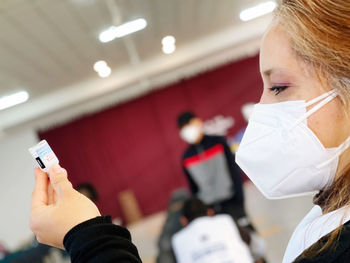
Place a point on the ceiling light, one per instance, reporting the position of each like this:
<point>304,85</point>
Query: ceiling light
<point>168,40</point>
<point>168,49</point>
<point>168,43</point>
<point>122,30</point>
<point>102,69</point>
<point>258,10</point>
<point>13,99</point>
<point>99,65</point>
<point>105,72</point>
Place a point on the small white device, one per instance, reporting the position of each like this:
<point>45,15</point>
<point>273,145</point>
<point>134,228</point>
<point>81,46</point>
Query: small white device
<point>43,154</point>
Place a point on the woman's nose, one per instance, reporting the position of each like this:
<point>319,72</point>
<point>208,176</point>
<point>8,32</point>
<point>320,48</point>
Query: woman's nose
<point>264,99</point>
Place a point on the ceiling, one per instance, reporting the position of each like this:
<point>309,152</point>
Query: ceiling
<point>48,47</point>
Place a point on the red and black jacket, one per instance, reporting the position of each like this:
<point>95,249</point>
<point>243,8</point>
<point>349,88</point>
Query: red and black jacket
<point>212,173</point>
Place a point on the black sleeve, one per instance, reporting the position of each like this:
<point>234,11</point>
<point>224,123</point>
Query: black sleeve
<point>338,252</point>
<point>98,240</point>
<point>235,171</point>
<point>193,186</point>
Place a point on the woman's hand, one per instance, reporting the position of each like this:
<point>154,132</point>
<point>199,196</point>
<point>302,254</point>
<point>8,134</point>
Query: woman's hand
<point>57,207</point>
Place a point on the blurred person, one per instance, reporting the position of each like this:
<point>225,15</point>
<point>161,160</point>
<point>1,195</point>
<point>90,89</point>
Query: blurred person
<point>207,237</point>
<point>88,190</point>
<point>3,251</point>
<point>297,142</point>
<point>210,169</point>
<point>34,252</point>
<point>171,226</point>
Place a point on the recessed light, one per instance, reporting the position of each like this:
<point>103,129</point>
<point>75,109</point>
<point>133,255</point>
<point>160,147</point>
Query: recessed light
<point>258,10</point>
<point>168,40</point>
<point>100,65</point>
<point>168,43</point>
<point>102,69</point>
<point>105,72</point>
<point>168,49</point>
<point>122,30</point>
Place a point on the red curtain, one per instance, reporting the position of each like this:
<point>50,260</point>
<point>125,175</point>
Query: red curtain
<point>136,145</point>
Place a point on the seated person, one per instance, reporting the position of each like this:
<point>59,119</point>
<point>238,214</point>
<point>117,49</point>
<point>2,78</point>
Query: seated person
<point>88,190</point>
<point>208,238</point>
<point>171,226</point>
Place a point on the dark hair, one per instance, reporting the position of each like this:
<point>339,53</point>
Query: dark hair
<point>184,118</point>
<point>194,208</point>
<point>88,187</point>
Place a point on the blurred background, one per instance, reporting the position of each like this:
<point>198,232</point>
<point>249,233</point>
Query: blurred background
<point>103,81</point>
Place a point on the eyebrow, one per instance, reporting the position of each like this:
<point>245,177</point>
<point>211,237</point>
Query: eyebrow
<point>273,70</point>
<point>269,72</point>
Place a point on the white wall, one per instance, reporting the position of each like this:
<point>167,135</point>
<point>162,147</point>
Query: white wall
<point>16,185</point>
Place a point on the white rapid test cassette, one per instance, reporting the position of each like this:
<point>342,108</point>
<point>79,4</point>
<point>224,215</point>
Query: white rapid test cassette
<point>43,154</point>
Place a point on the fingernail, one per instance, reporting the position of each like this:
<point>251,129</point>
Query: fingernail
<point>57,169</point>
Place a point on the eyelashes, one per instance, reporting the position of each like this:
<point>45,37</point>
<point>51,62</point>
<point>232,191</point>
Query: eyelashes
<point>278,89</point>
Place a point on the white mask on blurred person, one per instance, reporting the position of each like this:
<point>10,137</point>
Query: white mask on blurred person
<point>281,154</point>
<point>190,133</point>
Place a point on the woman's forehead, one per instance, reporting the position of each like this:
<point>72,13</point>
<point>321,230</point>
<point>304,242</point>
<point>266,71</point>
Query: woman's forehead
<point>275,52</point>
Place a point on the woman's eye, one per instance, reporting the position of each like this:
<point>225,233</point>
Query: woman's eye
<point>278,89</point>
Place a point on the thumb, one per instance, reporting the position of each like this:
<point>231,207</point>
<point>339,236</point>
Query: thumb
<point>59,181</point>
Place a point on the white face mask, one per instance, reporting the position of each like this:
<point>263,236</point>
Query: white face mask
<point>280,153</point>
<point>190,133</point>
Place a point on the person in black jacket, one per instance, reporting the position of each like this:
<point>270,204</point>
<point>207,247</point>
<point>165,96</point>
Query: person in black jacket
<point>210,169</point>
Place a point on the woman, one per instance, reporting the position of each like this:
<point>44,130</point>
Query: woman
<point>297,140</point>
<point>301,125</point>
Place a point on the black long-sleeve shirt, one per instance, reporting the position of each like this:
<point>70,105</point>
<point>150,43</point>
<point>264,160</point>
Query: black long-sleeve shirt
<point>212,172</point>
<point>339,253</point>
<point>98,240</point>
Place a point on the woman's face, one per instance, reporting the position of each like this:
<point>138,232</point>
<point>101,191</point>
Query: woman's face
<point>287,77</point>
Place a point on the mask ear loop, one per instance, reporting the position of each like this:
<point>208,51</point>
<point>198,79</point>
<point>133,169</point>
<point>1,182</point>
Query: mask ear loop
<point>327,97</point>
<point>340,150</point>
<point>321,97</point>
<point>324,98</point>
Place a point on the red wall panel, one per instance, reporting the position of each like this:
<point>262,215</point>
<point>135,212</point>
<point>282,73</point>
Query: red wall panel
<point>136,145</point>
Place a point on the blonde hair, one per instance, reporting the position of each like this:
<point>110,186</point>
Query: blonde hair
<point>320,35</point>
<point>320,32</point>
